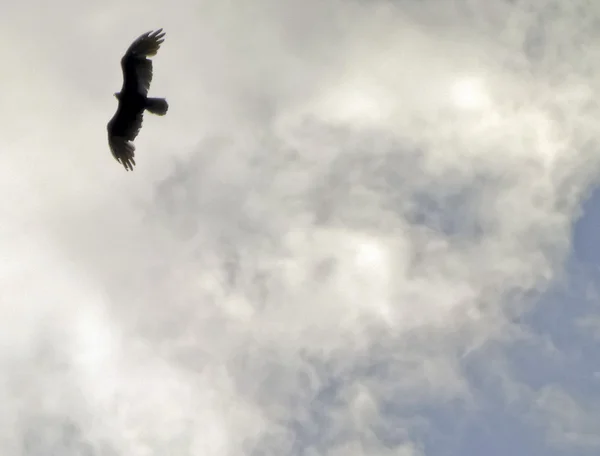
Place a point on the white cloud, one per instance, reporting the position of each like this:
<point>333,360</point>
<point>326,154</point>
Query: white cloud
<point>314,236</point>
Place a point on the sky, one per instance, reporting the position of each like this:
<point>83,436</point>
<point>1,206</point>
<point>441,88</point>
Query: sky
<point>363,228</point>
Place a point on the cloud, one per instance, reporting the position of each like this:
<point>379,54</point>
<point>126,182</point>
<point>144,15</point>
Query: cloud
<point>570,423</point>
<point>315,239</point>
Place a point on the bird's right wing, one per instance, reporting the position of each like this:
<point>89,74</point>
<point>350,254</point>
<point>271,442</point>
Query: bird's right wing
<point>127,121</point>
<point>123,151</point>
<point>122,129</point>
<point>137,68</point>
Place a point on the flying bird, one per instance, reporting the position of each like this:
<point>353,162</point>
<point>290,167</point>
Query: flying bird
<point>133,97</point>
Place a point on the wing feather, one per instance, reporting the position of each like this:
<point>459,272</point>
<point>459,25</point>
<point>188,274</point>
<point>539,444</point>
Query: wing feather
<point>123,151</point>
<point>123,128</point>
<point>137,68</point>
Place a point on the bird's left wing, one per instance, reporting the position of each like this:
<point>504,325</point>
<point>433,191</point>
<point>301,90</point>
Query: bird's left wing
<point>137,68</point>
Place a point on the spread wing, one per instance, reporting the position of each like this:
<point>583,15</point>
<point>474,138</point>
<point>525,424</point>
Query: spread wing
<point>137,68</point>
<point>122,130</point>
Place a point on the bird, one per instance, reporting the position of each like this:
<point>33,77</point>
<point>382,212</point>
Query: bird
<point>133,98</point>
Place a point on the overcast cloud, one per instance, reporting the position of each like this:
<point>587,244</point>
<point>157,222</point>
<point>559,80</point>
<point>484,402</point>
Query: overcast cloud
<point>352,234</point>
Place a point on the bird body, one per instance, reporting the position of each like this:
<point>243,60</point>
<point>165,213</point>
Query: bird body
<point>133,98</point>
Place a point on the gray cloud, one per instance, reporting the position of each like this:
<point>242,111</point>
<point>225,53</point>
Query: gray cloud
<point>329,225</point>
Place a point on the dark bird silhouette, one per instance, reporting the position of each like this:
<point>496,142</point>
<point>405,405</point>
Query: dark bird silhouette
<point>133,97</point>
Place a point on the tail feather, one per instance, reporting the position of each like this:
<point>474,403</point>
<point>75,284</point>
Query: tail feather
<point>158,106</point>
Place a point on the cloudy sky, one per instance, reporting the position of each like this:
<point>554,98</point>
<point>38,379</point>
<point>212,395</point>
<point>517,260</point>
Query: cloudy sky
<point>363,228</point>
